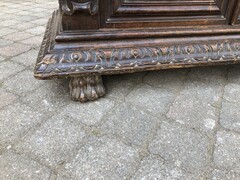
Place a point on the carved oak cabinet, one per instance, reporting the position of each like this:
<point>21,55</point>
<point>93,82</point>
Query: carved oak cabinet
<point>86,39</point>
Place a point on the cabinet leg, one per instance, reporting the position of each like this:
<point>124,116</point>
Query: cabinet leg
<point>87,88</point>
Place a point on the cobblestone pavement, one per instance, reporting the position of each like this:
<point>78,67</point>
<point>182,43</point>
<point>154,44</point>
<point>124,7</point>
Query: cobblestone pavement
<point>174,124</point>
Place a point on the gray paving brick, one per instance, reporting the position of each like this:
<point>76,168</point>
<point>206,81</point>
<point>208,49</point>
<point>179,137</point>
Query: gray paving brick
<point>16,120</point>
<point>36,30</point>
<point>14,84</point>
<point>2,58</point>
<point>14,166</point>
<point>168,79</point>
<point>54,142</point>
<point>14,49</point>
<point>89,113</point>
<point>224,175</point>
<point>50,97</point>
<point>227,154</point>
<point>7,69</point>
<point>4,42</point>
<point>230,116</point>
<point>234,75</point>
<point>33,41</point>
<point>6,98</point>
<point>118,86</point>
<point>5,31</point>
<point>26,18</point>
<point>183,147</point>
<point>155,168</point>
<point>103,158</point>
<point>154,100</point>
<point>130,124</point>
<point>8,23</point>
<point>37,9</point>
<point>197,105</point>
<point>28,58</point>
<point>23,26</point>
<point>40,21</point>
<point>18,36</point>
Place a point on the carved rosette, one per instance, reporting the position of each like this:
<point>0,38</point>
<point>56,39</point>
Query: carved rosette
<point>87,88</point>
<point>69,7</point>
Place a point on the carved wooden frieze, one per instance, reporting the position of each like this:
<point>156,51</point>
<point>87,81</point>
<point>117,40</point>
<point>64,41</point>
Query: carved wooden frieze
<point>69,7</point>
<point>116,59</point>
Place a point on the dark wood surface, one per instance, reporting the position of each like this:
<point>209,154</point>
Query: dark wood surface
<point>97,37</point>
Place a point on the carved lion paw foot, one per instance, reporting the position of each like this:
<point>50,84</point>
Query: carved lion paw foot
<point>87,88</point>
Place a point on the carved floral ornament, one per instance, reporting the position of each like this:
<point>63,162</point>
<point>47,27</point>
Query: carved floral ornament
<point>142,56</point>
<point>69,7</point>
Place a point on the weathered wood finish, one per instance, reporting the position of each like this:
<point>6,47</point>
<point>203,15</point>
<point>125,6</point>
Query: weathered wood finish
<point>89,38</point>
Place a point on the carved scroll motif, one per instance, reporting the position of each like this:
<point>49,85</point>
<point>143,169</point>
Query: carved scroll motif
<point>69,7</point>
<point>112,59</point>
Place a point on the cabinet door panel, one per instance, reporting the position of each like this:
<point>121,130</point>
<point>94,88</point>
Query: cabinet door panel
<point>158,13</point>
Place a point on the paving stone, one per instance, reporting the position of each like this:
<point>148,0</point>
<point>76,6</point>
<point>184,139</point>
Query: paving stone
<point>37,30</point>
<point>4,42</point>
<point>230,116</point>
<point>50,97</point>
<point>18,36</point>
<point>130,123</point>
<point>234,75</point>
<point>14,49</point>
<point>2,58</point>
<point>23,26</point>
<point>5,31</point>
<point>154,100</point>
<point>37,9</point>
<point>15,83</point>
<point>7,23</point>
<point>63,177</point>
<point>103,158</point>
<point>54,142</point>
<point>6,98</point>
<point>227,154</point>
<point>201,111</point>
<point>34,41</point>
<point>169,79</point>
<point>24,12</point>
<point>118,86</point>
<point>231,93</point>
<point>16,120</point>
<point>224,175</point>
<point>26,18</point>
<point>88,113</point>
<point>40,21</point>
<point>6,16</point>
<point>7,69</point>
<point>13,166</point>
<point>28,58</point>
<point>182,147</point>
<point>26,8</point>
<point>44,14</point>
<point>155,168</point>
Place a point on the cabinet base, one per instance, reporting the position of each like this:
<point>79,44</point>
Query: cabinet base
<point>84,62</point>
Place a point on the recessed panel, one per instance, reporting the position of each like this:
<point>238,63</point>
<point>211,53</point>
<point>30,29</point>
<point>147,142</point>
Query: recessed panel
<point>153,13</point>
